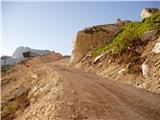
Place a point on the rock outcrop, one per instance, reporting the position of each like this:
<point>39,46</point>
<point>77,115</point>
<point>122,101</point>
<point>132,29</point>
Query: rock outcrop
<point>18,54</point>
<point>147,12</point>
<point>156,48</point>
<point>145,70</point>
<point>91,38</point>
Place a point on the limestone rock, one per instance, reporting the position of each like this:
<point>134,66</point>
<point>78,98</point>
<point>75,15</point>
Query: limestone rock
<point>149,35</point>
<point>145,70</point>
<point>99,57</point>
<point>122,71</point>
<point>90,38</point>
<point>156,49</point>
<point>34,76</point>
<point>147,12</point>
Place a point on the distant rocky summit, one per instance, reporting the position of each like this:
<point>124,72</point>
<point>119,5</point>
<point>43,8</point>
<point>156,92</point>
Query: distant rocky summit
<point>147,12</point>
<point>18,54</point>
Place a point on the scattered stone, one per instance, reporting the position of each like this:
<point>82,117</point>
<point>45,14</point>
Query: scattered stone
<point>99,57</point>
<point>73,117</point>
<point>61,102</point>
<point>157,63</point>
<point>145,70</point>
<point>20,91</point>
<point>16,87</point>
<point>70,103</point>
<point>57,118</point>
<point>156,48</point>
<point>73,91</point>
<point>9,90</point>
<point>122,71</point>
<point>33,92</point>
<point>34,113</point>
<point>34,76</point>
<point>86,57</point>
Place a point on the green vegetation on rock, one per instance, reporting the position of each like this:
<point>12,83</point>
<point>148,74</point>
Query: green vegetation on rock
<point>130,33</point>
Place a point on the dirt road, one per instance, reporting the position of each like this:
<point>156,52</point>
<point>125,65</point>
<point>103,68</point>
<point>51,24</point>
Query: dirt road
<point>73,94</point>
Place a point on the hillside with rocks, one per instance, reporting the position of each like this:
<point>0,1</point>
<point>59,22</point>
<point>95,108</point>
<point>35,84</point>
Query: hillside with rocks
<point>131,55</point>
<point>113,74</point>
<point>55,91</point>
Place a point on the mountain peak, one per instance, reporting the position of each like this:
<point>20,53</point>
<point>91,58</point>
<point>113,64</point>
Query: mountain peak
<point>20,50</point>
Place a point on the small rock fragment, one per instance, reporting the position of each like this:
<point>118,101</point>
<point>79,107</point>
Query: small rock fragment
<point>34,76</point>
<point>145,70</point>
<point>122,71</point>
<point>70,103</point>
<point>156,49</point>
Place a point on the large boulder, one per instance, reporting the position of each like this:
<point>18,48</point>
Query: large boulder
<point>147,12</point>
<point>149,35</point>
<point>90,38</point>
<point>145,70</point>
<point>156,48</point>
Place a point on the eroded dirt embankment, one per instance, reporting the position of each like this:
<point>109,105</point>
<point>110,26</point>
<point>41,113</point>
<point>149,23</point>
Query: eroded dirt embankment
<point>63,93</point>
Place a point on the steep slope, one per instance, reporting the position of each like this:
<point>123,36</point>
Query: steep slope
<point>17,81</point>
<point>92,37</point>
<point>131,55</point>
<point>64,93</point>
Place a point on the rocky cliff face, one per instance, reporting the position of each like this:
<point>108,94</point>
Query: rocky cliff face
<point>90,38</point>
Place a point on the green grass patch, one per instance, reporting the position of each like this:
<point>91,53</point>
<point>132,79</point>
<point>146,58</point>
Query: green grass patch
<point>130,33</point>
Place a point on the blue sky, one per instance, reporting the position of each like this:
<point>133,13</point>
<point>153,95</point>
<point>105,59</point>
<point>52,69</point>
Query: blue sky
<point>53,25</point>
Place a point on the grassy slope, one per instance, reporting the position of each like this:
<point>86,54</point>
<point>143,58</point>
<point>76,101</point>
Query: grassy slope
<point>129,34</point>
